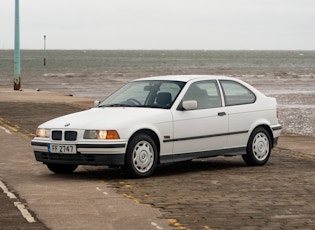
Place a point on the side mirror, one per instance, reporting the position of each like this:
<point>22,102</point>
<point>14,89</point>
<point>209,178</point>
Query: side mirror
<point>189,105</point>
<point>96,103</point>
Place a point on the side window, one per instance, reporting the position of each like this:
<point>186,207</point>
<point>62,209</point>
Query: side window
<point>236,94</point>
<point>206,93</point>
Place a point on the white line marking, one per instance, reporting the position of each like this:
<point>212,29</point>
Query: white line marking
<point>21,207</point>
<point>101,190</point>
<point>156,225</point>
<point>25,213</point>
<point>6,191</point>
<point>6,130</point>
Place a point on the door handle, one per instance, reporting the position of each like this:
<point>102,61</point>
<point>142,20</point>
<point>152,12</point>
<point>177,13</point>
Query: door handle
<point>221,114</point>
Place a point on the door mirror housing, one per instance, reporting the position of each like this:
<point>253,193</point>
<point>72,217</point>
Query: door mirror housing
<point>96,103</point>
<point>189,105</point>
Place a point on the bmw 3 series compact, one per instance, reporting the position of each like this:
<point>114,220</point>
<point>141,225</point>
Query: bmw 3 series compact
<point>150,121</point>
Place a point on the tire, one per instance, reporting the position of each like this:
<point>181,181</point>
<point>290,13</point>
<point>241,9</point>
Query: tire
<point>62,168</point>
<point>141,157</point>
<point>258,148</point>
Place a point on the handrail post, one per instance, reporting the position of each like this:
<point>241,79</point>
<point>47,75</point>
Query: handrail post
<point>17,59</point>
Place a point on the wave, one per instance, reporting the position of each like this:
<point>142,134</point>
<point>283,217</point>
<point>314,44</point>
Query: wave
<point>65,75</point>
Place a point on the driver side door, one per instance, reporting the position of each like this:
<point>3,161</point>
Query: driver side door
<point>204,128</point>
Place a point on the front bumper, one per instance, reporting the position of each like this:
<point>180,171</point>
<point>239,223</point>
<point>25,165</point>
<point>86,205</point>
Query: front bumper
<point>80,159</point>
<point>86,154</point>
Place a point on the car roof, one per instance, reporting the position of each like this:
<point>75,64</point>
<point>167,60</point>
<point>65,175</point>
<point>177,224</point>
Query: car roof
<point>184,78</point>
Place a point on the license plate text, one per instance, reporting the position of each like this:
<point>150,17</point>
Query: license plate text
<point>63,149</point>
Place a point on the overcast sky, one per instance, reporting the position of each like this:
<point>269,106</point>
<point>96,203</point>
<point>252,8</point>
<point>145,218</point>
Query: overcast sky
<point>160,24</point>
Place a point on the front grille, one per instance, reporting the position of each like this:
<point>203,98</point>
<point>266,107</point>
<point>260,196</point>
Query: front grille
<point>57,135</point>
<point>68,135</point>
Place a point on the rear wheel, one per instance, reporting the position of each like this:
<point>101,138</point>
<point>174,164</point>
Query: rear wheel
<point>141,156</point>
<point>62,168</point>
<point>258,148</point>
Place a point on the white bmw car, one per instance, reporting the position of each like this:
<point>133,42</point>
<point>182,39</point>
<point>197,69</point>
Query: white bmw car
<point>164,119</point>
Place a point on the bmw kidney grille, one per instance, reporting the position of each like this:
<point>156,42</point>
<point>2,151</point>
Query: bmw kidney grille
<point>68,135</point>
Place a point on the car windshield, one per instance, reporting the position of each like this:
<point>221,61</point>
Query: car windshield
<point>147,93</point>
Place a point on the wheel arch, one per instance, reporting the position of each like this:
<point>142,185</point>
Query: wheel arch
<point>268,129</point>
<point>151,134</point>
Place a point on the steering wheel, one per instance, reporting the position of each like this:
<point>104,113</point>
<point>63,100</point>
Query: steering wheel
<point>134,101</point>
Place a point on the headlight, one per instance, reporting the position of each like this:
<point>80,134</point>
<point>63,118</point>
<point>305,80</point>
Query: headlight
<point>43,133</point>
<point>101,134</point>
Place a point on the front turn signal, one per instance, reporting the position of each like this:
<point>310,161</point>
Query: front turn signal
<point>112,134</point>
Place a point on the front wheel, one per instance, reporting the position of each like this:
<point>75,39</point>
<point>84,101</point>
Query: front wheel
<point>141,156</point>
<point>258,148</point>
<point>61,168</point>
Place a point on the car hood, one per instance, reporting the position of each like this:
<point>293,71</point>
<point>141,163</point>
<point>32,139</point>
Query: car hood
<point>108,118</point>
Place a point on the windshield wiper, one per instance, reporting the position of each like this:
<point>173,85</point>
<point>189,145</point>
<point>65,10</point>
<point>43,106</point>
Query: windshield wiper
<point>114,105</point>
<point>125,105</point>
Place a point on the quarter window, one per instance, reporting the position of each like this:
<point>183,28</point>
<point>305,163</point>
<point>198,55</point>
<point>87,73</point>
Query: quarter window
<point>236,94</point>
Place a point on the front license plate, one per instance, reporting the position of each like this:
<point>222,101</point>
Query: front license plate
<point>69,149</point>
